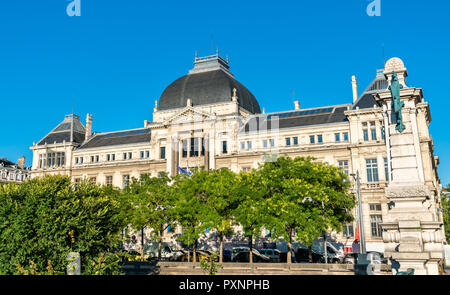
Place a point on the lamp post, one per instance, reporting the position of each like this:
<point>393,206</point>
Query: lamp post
<point>360,212</point>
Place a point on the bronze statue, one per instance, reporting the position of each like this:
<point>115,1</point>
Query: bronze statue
<point>397,104</point>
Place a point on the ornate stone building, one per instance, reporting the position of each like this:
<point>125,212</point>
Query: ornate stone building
<point>207,118</point>
<point>12,172</point>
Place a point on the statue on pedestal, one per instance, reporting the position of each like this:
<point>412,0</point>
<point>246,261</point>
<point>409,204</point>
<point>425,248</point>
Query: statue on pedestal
<point>397,104</point>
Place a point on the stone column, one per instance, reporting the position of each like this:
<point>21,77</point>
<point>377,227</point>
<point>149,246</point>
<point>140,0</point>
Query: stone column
<point>412,237</point>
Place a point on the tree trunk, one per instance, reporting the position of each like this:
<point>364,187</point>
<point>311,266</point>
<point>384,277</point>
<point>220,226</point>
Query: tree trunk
<point>194,249</point>
<point>250,244</point>
<point>160,244</point>
<point>142,243</point>
<point>310,254</point>
<point>220,248</point>
<point>289,254</point>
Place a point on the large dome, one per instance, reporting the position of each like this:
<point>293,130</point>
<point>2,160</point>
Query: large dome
<point>208,83</point>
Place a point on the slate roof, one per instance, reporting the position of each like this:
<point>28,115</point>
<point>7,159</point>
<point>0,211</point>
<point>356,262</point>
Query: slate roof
<point>209,82</point>
<point>118,138</point>
<point>300,118</point>
<point>70,125</point>
<point>366,100</point>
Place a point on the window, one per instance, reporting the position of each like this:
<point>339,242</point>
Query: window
<point>337,137</point>
<point>193,152</point>
<point>130,155</point>
<point>272,142</point>
<point>383,136</point>
<point>92,159</point>
<point>142,154</point>
<point>311,139</point>
<point>109,180</point>
<point>375,207</point>
<point>202,151</point>
<point>372,170</point>
<point>77,180</point>
<point>108,157</point>
<point>125,180</point>
<point>348,230</point>
<point>124,156</point>
<point>288,141</point>
<point>184,148</point>
<point>246,169</point>
<point>113,157</point>
<point>344,166</point>
<point>162,152</point>
<point>375,221</point>
<point>93,180</point>
<point>373,132</point>
<point>249,145</point>
<point>345,136</point>
<point>319,139</point>
<point>265,143</point>
<point>224,147</point>
<point>147,154</point>
<point>295,140</point>
<point>386,169</point>
<point>81,160</point>
<point>365,131</point>
<point>97,159</point>
<point>76,161</point>
<point>242,145</point>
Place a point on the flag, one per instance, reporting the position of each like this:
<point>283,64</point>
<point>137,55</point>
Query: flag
<point>184,171</point>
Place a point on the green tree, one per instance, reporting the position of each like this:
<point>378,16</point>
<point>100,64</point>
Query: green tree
<point>304,198</point>
<point>218,191</point>
<point>190,207</point>
<point>44,219</point>
<point>445,201</point>
<point>250,213</point>
<point>150,203</point>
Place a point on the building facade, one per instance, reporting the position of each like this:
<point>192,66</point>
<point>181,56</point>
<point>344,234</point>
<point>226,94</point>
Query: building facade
<point>207,118</point>
<point>12,172</point>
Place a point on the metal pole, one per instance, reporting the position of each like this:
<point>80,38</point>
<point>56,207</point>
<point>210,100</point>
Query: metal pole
<point>360,214</point>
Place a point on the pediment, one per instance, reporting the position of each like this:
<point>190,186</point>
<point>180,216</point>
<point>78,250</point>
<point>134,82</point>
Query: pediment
<point>188,115</point>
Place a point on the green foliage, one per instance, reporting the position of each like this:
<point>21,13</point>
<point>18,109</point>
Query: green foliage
<point>445,200</point>
<point>44,219</point>
<point>303,197</point>
<point>149,202</point>
<point>190,206</point>
<point>209,264</point>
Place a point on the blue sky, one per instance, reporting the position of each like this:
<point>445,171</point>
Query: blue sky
<point>117,57</point>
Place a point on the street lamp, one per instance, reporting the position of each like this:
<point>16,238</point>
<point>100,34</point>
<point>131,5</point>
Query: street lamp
<point>360,212</point>
<point>309,199</point>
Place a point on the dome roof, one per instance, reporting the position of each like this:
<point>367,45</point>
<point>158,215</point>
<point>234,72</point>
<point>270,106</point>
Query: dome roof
<point>208,83</point>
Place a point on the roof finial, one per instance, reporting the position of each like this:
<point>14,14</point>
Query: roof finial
<point>234,97</point>
<point>217,51</point>
<point>196,55</point>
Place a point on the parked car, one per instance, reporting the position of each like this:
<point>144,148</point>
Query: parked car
<point>350,258</point>
<point>273,254</point>
<point>226,255</point>
<point>237,250</point>
<point>244,256</point>
<point>302,255</point>
<point>283,257</point>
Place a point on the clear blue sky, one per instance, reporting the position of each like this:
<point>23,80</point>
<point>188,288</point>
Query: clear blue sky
<point>117,57</point>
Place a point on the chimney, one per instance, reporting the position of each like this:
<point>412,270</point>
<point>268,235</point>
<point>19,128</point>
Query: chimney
<point>264,110</point>
<point>297,105</point>
<point>155,109</point>
<point>88,126</point>
<point>355,89</point>
<point>21,162</point>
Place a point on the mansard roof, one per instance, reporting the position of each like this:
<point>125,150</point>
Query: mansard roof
<point>366,100</point>
<point>70,130</point>
<point>297,118</point>
<point>133,136</point>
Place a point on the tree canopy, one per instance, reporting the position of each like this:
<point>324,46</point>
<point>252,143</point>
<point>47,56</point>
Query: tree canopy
<point>44,219</point>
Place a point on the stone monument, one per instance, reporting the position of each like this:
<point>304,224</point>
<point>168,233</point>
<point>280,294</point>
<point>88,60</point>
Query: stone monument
<point>412,232</point>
